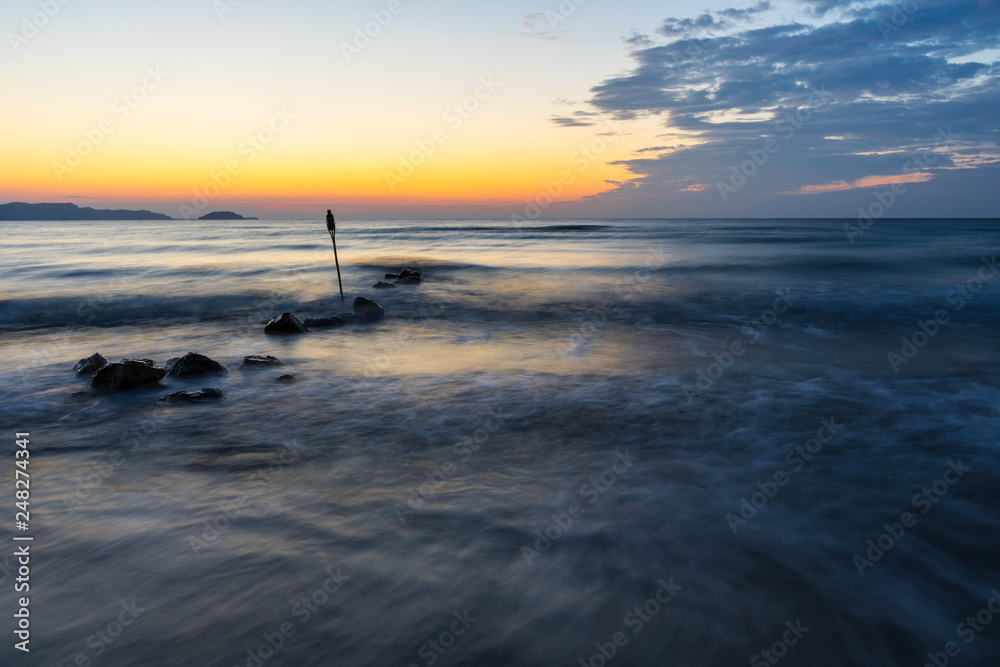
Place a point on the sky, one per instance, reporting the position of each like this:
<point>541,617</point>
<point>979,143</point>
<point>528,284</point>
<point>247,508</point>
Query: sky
<point>521,109</point>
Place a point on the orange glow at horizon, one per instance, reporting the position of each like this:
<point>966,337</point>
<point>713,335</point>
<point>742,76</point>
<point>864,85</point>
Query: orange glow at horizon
<point>576,166</point>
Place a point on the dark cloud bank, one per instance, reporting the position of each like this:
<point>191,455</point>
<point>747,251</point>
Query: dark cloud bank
<point>826,109</point>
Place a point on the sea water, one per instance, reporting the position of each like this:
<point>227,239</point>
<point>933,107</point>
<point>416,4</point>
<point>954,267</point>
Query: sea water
<point>622,442</point>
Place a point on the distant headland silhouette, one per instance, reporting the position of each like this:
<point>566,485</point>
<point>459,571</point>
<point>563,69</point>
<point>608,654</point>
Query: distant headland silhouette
<point>41,212</point>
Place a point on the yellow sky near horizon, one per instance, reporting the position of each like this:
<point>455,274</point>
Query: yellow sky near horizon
<point>405,122</point>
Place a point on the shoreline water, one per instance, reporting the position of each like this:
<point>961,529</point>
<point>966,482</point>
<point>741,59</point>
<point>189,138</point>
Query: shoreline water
<point>573,341</point>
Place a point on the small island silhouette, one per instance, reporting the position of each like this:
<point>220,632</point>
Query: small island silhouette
<point>224,215</point>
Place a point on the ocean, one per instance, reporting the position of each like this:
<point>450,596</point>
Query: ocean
<point>576,442</point>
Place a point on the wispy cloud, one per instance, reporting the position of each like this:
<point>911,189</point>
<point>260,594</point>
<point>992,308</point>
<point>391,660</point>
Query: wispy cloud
<point>866,182</point>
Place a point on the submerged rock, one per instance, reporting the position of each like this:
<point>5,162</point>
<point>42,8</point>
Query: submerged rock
<point>405,277</point>
<point>321,322</point>
<point>286,379</point>
<point>258,361</point>
<point>193,364</point>
<point>127,374</point>
<point>90,365</point>
<point>208,394</point>
<point>370,309</point>
<point>383,285</point>
<point>285,324</point>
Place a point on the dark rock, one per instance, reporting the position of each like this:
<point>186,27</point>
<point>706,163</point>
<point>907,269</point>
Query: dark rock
<point>90,365</point>
<point>287,379</point>
<point>193,364</point>
<point>370,309</point>
<point>405,277</point>
<point>127,374</point>
<point>321,322</point>
<point>406,273</point>
<point>286,324</point>
<point>209,394</point>
<point>258,361</point>
<point>383,285</point>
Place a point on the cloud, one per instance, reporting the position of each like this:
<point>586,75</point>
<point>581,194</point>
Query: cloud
<point>842,100</point>
<point>531,20</point>
<point>696,187</point>
<point>577,119</point>
<point>866,182</point>
<point>727,18</point>
<point>565,121</point>
<point>821,7</point>
<point>539,26</point>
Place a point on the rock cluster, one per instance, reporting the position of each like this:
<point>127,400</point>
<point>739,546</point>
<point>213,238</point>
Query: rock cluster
<point>404,277</point>
<point>134,373</point>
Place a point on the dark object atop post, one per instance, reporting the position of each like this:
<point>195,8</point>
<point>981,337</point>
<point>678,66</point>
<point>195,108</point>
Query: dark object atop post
<point>331,227</point>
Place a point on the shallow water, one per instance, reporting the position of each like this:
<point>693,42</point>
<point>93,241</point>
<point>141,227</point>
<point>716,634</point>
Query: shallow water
<point>561,423</point>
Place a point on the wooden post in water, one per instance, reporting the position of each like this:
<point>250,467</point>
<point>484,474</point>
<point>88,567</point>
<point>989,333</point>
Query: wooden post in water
<point>331,226</point>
